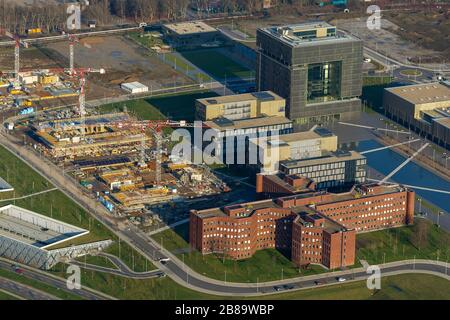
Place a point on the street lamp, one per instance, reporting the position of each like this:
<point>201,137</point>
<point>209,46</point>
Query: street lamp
<point>438,215</point>
<point>420,205</point>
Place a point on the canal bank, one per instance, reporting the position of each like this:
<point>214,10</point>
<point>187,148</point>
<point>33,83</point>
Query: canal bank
<point>429,186</point>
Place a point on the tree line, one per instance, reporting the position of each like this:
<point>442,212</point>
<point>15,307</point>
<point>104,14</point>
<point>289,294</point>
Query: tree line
<point>53,17</point>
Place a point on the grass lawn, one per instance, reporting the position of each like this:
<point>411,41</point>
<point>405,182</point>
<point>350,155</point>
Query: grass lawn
<point>58,206</point>
<point>175,107</point>
<point>38,285</point>
<point>408,286</point>
<point>98,261</point>
<point>411,72</point>
<point>133,289</point>
<point>217,64</point>
<point>399,287</point>
<point>5,296</point>
<point>422,240</point>
<point>265,265</point>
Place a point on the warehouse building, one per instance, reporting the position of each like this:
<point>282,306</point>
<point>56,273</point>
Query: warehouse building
<point>134,87</point>
<point>317,70</point>
<point>422,108</point>
<point>315,228</point>
<point>39,241</point>
<point>190,34</point>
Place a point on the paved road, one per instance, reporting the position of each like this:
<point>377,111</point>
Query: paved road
<point>23,291</point>
<point>53,281</point>
<point>180,272</point>
<point>122,269</point>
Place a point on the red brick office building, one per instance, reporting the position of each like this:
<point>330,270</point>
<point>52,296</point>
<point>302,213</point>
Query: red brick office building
<point>316,227</point>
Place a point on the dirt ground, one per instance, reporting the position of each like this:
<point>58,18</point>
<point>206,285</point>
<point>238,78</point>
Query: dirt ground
<point>30,58</point>
<point>123,60</point>
<point>387,41</point>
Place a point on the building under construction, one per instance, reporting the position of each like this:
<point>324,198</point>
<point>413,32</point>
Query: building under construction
<point>94,136</point>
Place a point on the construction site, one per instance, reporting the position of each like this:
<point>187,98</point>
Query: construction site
<point>123,162</point>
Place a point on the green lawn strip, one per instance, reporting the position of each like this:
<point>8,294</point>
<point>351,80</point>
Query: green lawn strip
<point>173,106</point>
<point>428,205</point>
<point>423,240</point>
<point>264,265</point>
<point>398,287</point>
<point>5,296</point>
<point>39,285</point>
<point>57,205</point>
<point>100,261</point>
<point>138,289</point>
<point>216,64</point>
<point>407,286</point>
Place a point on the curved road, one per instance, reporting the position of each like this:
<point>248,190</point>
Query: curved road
<point>55,282</point>
<point>175,268</point>
<point>122,269</point>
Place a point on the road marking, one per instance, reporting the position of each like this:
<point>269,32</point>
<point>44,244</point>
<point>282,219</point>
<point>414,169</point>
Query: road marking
<point>414,187</point>
<point>403,164</point>
<point>29,195</point>
<point>373,128</point>
<point>388,147</point>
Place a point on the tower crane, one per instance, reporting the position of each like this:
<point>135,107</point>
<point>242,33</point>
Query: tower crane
<point>72,40</point>
<point>79,73</point>
<point>156,127</point>
<point>18,43</point>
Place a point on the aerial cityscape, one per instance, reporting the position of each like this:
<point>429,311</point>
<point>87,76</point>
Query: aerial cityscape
<point>235,150</point>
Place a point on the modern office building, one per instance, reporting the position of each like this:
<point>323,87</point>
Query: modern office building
<point>315,227</point>
<point>236,119</point>
<point>294,146</point>
<point>232,137</point>
<point>423,108</point>
<point>317,70</point>
<point>335,170</point>
<point>240,106</point>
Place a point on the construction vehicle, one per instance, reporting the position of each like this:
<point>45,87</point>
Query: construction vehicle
<point>34,31</point>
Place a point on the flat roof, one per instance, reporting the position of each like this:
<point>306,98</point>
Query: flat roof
<point>261,96</point>
<point>422,93</point>
<point>299,136</point>
<point>35,229</point>
<point>279,179</point>
<point>286,34</point>
<point>353,194</point>
<point>134,85</point>
<point>5,186</point>
<point>191,27</point>
<point>329,158</point>
<point>444,122</point>
<point>227,124</point>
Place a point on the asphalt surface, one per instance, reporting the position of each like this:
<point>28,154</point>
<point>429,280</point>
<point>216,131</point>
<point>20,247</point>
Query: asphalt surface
<point>187,277</point>
<point>24,291</point>
<point>59,284</point>
<point>122,269</point>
